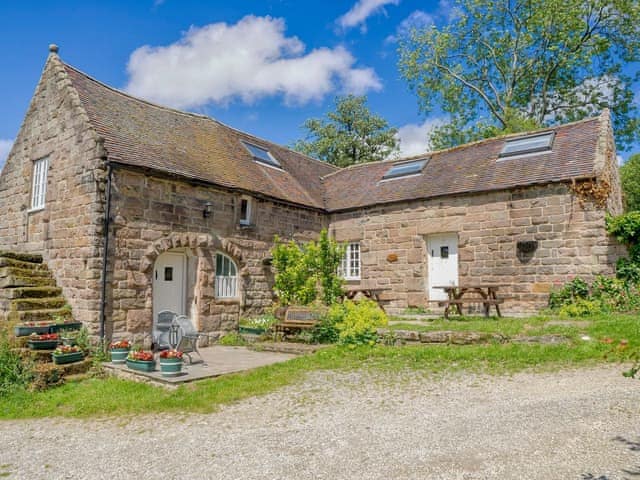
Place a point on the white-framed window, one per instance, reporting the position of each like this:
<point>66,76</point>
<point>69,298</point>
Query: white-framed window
<point>226,277</point>
<point>350,264</point>
<point>39,186</point>
<point>245,210</point>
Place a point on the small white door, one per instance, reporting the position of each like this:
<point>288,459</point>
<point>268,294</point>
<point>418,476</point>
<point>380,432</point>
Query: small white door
<point>442,254</point>
<point>169,283</point>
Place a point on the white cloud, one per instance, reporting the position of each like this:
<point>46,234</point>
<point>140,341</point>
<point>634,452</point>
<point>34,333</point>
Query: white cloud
<point>414,137</point>
<point>247,60</point>
<point>362,10</point>
<point>5,148</point>
<point>417,20</point>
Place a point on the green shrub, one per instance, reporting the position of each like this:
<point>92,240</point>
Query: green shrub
<point>307,272</point>
<point>569,293</point>
<point>15,373</point>
<point>604,295</point>
<point>581,308</point>
<point>626,229</point>
<point>357,322</point>
<point>325,331</point>
<point>628,270</point>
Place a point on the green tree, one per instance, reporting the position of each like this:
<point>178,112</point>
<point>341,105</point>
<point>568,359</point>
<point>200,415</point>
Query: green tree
<point>509,66</point>
<point>350,134</point>
<point>304,272</point>
<point>630,178</point>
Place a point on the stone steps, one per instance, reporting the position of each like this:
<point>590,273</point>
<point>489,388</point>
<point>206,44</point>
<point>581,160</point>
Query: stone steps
<point>37,356</point>
<point>11,280</point>
<point>30,292</point>
<point>23,304</point>
<point>20,272</point>
<point>43,315</point>
<point>15,263</point>
<point>49,374</point>
<point>23,257</point>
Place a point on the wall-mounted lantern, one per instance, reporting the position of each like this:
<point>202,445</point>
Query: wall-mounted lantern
<point>208,210</point>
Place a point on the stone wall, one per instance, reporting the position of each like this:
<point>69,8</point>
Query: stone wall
<point>153,214</point>
<point>68,230</point>
<point>571,240</point>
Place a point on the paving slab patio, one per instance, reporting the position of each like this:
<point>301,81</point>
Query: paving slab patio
<point>218,360</point>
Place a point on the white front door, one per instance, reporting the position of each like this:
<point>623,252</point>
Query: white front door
<point>442,252</point>
<point>169,283</point>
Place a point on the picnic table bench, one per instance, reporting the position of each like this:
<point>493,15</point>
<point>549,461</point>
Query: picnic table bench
<point>351,291</point>
<point>458,295</point>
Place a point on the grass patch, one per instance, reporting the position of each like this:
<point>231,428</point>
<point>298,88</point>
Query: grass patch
<point>115,397</point>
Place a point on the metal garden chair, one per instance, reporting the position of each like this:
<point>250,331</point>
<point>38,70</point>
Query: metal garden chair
<point>187,337</point>
<point>160,334</point>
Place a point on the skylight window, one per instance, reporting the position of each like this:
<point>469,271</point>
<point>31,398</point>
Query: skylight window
<point>405,169</point>
<point>531,144</point>
<point>261,155</point>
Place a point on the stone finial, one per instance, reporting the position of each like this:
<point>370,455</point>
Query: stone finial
<point>53,48</point>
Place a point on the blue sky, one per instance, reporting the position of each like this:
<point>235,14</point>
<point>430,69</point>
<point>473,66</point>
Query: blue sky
<point>260,66</point>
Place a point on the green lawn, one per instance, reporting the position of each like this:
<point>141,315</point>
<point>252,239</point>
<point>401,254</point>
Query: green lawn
<point>113,397</point>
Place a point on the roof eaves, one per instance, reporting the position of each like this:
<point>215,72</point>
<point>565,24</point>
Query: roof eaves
<point>462,193</point>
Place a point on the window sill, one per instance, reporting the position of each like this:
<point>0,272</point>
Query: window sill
<point>246,226</point>
<point>35,210</point>
<point>227,300</point>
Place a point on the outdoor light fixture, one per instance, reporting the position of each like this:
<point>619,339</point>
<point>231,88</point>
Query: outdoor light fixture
<point>207,210</point>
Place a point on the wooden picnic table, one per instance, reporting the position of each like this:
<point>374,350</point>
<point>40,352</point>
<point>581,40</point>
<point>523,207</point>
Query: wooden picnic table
<point>485,293</point>
<point>373,293</point>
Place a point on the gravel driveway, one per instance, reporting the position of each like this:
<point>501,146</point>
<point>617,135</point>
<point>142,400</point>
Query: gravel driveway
<point>576,424</point>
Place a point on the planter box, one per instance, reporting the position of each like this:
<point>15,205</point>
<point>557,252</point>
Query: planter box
<point>67,357</point>
<point>43,344</point>
<point>252,330</point>
<point>141,365</point>
<point>62,327</point>
<point>170,367</point>
<point>25,330</point>
<point>119,355</point>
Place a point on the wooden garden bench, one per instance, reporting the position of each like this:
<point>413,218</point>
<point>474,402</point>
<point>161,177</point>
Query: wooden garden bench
<point>298,318</point>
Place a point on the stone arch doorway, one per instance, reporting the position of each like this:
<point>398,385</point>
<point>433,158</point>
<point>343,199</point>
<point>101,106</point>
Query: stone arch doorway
<point>199,250</point>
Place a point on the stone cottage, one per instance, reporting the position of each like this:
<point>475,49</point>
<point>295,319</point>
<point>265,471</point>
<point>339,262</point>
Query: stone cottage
<point>137,208</point>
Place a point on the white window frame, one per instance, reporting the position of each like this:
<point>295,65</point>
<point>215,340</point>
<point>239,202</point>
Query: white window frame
<point>226,286</point>
<point>246,221</point>
<point>39,184</point>
<point>351,263</point>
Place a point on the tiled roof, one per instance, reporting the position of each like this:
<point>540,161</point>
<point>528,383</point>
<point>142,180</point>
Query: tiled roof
<point>469,168</point>
<point>142,134</point>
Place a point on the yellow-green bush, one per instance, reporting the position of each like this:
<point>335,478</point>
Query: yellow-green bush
<point>356,322</point>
